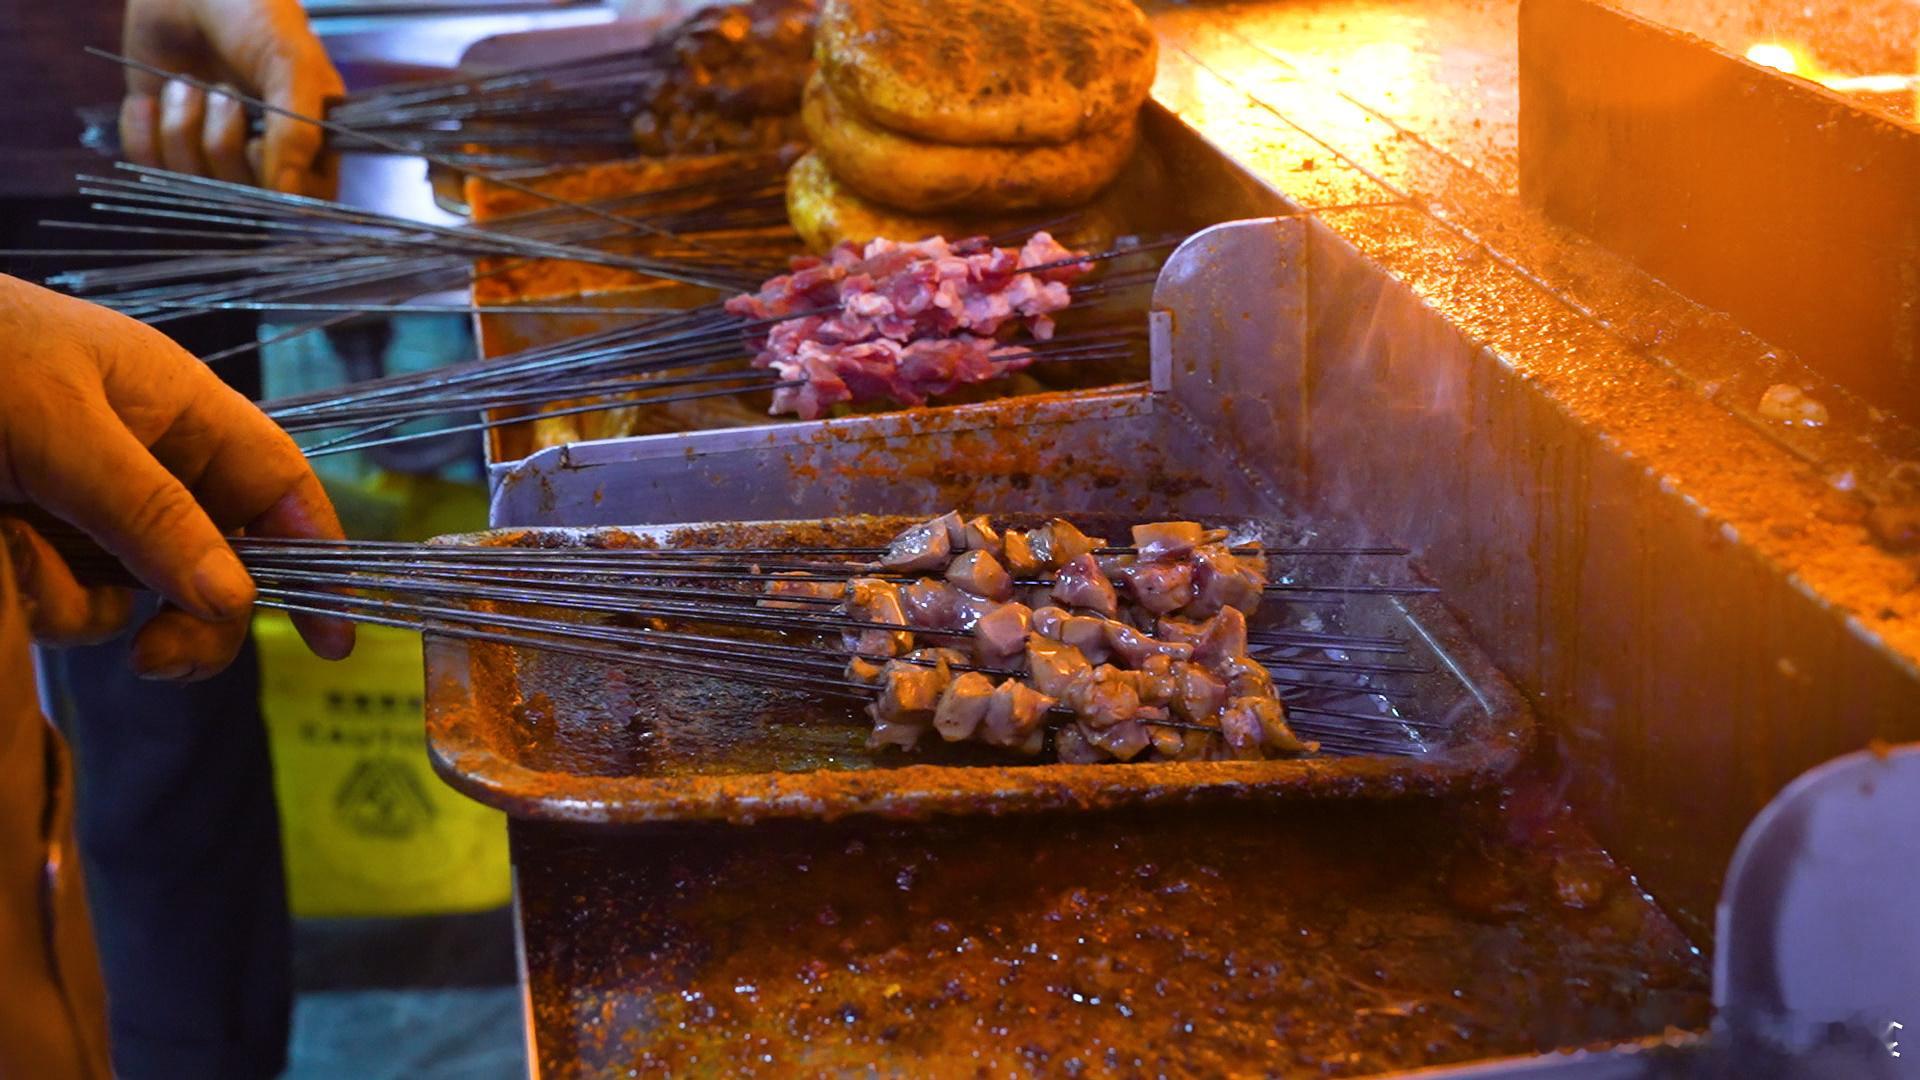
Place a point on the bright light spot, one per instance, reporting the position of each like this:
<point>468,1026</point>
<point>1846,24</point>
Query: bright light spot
<point>1777,57</point>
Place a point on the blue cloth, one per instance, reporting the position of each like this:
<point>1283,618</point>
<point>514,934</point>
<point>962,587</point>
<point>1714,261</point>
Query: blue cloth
<point>180,839</point>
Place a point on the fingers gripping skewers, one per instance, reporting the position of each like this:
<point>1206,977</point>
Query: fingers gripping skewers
<point>1117,672</point>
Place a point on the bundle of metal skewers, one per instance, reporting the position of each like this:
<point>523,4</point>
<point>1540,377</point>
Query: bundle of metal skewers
<point>724,78</point>
<point>292,254</point>
<point>785,618</point>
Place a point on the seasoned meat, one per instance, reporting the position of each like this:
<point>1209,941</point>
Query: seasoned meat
<point>1054,668</point>
<point>932,605</point>
<point>802,584</point>
<point>1159,587</point>
<point>1267,720</point>
<point>1074,748</point>
<point>956,529</point>
<point>1166,539</point>
<point>1241,729</point>
<point>1134,648</point>
<point>1106,699</point>
<point>1159,680</point>
<point>1222,579</point>
<point>909,693</point>
<point>1014,714</point>
<point>923,547</point>
<point>1020,556</point>
<point>1079,583</point>
<point>1047,620</point>
<point>1058,543</point>
<point>1124,740</point>
<point>874,600</point>
<point>1223,638</point>
<point>963,706</point>
<point>861,670</point>
<point>1001,634</point>
<point>979,573</point>
<point>981,536</point>
<point>1200,696</point>
<point>1087,633</point>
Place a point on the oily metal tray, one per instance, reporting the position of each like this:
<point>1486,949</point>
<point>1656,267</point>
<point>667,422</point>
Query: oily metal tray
<point>553,737</point>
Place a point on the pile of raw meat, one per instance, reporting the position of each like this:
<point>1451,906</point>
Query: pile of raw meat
<point>905,322</point>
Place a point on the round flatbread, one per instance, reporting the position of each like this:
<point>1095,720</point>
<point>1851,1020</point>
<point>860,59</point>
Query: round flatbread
<point>921,176</point>
<point>988,71</point>
<point>824,212</point>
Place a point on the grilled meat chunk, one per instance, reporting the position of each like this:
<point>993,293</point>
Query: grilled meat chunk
<point>922,547</point>
<point>1058,543</point>
<point>876,601</point>
<point>1199,696</point>
<point>1167,539</point>
<point>979,573</point>
<point>1222,579</point>
<point>1134,648</point>
<point>1124,740</point>
<point>981,536</point>
<point>963,706</point>
<point>909,694</point>
<point>1109,697</point>
<point>1087,633</point>
<point>1001,634</point>
<point>1159,587</point>
<point>1079,583</point>
<point>862,670</point>
<point>1253,725</point>
<point>1014,715</point>
<point>1020,556</point>
<point>1055,668</point>
<point>799,583</point>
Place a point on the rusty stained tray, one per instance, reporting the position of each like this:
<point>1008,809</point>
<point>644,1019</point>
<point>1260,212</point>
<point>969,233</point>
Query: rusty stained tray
<point>556,737</point>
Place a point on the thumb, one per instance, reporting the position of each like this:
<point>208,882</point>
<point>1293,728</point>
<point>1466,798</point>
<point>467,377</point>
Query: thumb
<point>121,496</point>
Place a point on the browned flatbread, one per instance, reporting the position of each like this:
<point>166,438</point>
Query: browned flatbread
<point>926,177</point>
<point>825,212</point>
<point>988,71</point>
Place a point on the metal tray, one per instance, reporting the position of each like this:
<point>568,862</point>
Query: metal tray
<point>559,738</point>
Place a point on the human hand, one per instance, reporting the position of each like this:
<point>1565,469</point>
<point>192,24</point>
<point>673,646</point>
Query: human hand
<point>262,47</point>
<point>113,428</point>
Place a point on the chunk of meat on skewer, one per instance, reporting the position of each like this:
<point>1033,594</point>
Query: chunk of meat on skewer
<point>1080,584</point>
<point>1253,725</point>
<point>1223,580</point>
<point>1058,543</point>
<point>1160,540</point>
<point>923,547</point>
<point>1223,638</point>
<point>1159,587</point>
<point>1109,697</point>
<point>963,706</point>
<point>1014,715</point>
<point>864,671</point>
<point>1047,619</point>
<point>932,605</point>
<point>1054,667</point>
<point>1001,634</point>
<point>1072,747</point>
<point>1199,696</point>
<point>1124,740</point>
<point>1135,648</point>
<point>981,536</point>
<point>1019,554</point>
<point>802,585</point>
<point>979,573</point>
<point>876,601</point>
<point>909,694</point>
<point>1087,633</point>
